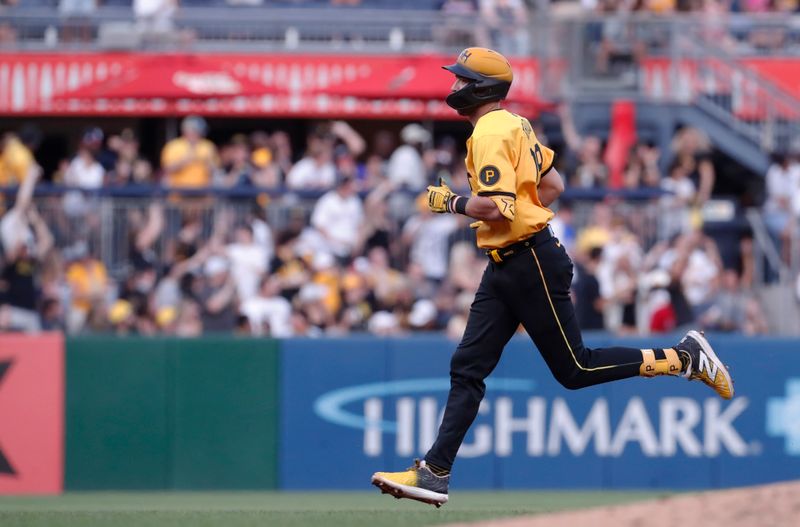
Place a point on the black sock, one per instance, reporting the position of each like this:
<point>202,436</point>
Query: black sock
<point>686,359</point>
<point>437,470</point>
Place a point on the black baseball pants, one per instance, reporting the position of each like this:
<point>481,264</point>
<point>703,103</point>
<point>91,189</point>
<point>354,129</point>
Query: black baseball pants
<point>530,288</point>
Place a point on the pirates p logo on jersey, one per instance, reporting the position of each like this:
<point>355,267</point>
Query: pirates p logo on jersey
<point>489,175</point>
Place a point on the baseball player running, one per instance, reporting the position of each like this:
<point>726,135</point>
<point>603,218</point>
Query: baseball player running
<point>527,280</point>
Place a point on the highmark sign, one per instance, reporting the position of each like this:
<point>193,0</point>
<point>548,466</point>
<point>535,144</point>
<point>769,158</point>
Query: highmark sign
<point>354,406</point>
<point>548,427</point>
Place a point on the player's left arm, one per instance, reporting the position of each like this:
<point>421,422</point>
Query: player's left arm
<point>550,187</point>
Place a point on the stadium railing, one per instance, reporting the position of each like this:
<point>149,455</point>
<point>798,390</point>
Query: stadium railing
<point>101,217</point>
<point>104,220</point>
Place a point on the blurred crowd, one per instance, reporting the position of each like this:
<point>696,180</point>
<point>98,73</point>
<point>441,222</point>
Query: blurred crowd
<point>363,253</point>
<point>617,39</point>
<point>504,25</point>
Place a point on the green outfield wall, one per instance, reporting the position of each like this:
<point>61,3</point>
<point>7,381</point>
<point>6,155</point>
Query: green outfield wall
<point>171,413</point>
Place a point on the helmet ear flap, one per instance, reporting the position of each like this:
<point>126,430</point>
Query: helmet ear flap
<point>463,99</point>
<point>475,93</point>
<point>490,93</point>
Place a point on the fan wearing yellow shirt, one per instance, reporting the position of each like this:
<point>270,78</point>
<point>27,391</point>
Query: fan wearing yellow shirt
<point>189,161</point>
<point>527,278</point>
<point>16,161</point>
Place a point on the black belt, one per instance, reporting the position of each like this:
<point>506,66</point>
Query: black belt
<point>503,254</point>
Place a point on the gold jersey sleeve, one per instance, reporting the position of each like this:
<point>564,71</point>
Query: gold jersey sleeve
<point>506,162</point>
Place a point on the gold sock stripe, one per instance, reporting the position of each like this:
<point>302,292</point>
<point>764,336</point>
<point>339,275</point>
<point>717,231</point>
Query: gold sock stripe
<point>648,367</point>
<point>673,361</point>
<point>560,328</point>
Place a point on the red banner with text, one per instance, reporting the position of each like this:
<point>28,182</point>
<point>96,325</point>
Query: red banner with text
<point>31,414</point>
<point>389,86</point>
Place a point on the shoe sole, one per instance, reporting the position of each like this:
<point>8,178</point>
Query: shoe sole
<point>414,493</point>
<point>713,356</point>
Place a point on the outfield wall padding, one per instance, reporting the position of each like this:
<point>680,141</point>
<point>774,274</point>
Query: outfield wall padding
<point>371,405</point>
<point>229,413</point>
<point>171,414</point>
<point>31,413</point>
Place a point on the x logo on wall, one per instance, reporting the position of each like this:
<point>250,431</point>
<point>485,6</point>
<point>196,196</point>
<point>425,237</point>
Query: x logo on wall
<point>5,466</point>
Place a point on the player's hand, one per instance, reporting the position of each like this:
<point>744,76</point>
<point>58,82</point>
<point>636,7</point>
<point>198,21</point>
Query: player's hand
<point>439,197</point>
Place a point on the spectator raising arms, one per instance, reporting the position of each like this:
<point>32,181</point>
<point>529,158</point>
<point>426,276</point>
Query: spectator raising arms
<point>584,153</point>
<point>692,150</point>
<point>16,156</point>
<point>26,242</point>
<point>317,171</point>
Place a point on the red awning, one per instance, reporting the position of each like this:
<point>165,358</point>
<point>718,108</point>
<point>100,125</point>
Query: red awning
<point>171,77</point>
<point>341,86</point>
<point>398,78</point>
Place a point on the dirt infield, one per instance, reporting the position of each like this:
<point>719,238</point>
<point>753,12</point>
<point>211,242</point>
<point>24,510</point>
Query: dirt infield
<point>775,505</point>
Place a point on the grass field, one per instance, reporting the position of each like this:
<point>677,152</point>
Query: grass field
<point>291,509</point>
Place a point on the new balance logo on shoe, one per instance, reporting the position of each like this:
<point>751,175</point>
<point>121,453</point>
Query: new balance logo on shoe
<point>706,365</point>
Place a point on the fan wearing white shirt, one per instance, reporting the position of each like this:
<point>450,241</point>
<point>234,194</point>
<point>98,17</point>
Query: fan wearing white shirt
<point>782,184</point>
<point>339,217</point>
<point>155,15</point>
<point>249,261</point>
<point>426,235</point>
<point>676,205</point>
<point>406,167</point>
<point>268,312</point>
<point>84,171</point>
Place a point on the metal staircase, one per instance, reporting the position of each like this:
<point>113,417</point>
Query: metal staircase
<point>700,83</point>
<point>734,94</point>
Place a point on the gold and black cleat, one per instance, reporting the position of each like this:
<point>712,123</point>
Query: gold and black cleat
<point>417,483</point>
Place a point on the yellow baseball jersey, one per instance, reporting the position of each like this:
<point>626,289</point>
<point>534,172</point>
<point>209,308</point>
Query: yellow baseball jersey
<point>505,162</point>
<point>196,173</point>
<point>15,162</point>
